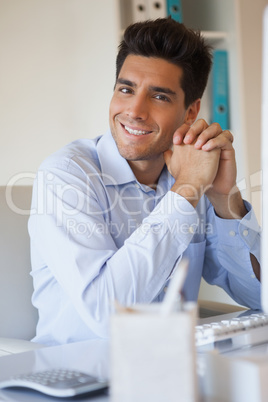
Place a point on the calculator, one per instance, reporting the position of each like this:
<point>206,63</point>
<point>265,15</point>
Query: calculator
<point>57,382</point>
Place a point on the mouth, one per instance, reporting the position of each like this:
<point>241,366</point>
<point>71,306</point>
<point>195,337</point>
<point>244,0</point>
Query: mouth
<point>136,132</point>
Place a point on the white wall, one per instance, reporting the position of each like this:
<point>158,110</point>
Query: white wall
<point>57,74</point>
<point>251,17</point>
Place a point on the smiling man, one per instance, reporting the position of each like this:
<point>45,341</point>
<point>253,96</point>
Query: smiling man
<point>113,215</point>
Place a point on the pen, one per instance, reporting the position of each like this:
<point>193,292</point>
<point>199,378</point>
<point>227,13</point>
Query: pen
<point>175,286</point>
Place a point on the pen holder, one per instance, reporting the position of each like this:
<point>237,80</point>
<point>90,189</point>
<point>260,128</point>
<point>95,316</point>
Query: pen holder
<point>152,355</point>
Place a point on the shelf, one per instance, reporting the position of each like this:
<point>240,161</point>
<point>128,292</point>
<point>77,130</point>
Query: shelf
<point>214,36</point>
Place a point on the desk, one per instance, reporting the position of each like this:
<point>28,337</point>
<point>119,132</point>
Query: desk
<point>88,356</point>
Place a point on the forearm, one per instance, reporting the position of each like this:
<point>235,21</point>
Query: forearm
<point>232,252</point>
<point>233,207</point>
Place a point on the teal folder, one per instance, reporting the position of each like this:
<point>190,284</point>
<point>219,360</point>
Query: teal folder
<point>220,90</point>
<point>174,9</point>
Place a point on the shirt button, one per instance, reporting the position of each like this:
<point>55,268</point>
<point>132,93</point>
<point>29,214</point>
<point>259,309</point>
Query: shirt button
<point>253,276</point>
<point>245,232</point>
<point>191,229</point>
<point>137,185</point>
<point>232,233</point>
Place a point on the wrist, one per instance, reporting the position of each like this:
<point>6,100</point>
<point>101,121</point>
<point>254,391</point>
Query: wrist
<point>229,206</point>
<point>188,191</point>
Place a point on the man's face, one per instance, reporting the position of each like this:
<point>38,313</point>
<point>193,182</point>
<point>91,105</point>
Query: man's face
<point>146,108</point>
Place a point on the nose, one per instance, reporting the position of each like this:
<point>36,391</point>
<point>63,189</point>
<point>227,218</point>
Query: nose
<point>138,107</point>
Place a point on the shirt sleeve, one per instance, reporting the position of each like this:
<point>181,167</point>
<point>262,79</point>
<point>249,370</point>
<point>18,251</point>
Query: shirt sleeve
<point>227,260</point>
<point>85,262</point>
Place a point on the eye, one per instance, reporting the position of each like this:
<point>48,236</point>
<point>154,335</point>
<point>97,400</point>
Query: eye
<point>125,90</point>
<point>162,97</point>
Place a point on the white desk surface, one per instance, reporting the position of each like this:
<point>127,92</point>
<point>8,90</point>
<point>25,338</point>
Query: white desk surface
<point>88,356</point>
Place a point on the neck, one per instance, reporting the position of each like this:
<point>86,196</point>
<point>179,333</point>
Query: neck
<point>147,172</point>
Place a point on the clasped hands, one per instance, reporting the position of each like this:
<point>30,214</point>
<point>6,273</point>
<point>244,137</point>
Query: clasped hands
<point>203,161</point>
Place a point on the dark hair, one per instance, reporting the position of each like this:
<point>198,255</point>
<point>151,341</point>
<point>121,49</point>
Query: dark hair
<point>170,40</point>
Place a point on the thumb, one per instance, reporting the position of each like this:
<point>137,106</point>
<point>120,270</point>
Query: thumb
<point>167,157</point>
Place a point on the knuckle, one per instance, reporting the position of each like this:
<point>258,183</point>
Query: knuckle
<point>228,135</point>
<point>231,137</point>
<point>217,127</point>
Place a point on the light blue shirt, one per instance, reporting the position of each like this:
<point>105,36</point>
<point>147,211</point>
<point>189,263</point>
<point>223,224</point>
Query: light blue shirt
<point>98,235</point>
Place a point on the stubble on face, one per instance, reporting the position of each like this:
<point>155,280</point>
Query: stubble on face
<point>133,152</point>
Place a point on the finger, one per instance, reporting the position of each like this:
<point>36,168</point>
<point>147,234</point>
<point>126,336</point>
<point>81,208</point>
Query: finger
<point>195,131</point>
<point>180,134</point>
<point>209,132</point>
<point>212,131</point>
<point>222,141</point>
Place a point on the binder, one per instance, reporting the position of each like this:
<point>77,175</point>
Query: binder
<point>139,10</point>
<point>156,9</point>
<point>174,9</point>
<point>220,90</point>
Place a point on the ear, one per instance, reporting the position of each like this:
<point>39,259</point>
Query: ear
<point>192,112</point>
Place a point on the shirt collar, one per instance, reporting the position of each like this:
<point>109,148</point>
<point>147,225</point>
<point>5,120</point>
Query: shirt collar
<point>119,170</point>
<point>114,167</point>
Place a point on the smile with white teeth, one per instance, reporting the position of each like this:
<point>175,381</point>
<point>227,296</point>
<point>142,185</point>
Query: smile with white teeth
<point>136,132</point>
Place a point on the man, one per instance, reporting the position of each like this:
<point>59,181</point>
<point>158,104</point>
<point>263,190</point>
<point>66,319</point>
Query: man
<point>111,216</point>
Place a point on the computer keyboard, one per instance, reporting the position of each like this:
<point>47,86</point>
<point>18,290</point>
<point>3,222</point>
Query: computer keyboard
<point>234,333</point>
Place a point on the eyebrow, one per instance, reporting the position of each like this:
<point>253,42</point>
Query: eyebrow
<point>164,90</point>
<point>125,82</point>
